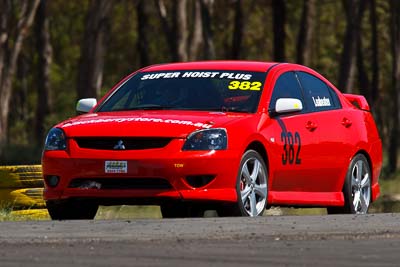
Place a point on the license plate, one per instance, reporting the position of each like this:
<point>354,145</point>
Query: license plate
<point>112,166</point>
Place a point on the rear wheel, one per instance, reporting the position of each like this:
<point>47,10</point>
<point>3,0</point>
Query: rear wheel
<point>251,187</point>
<point>71,210</point>
<point>357,188</point>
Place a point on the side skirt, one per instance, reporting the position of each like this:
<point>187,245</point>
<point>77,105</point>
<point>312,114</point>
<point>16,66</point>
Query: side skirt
<point>288,198</point>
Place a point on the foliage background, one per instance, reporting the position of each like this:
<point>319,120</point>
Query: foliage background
<point>125,30</point>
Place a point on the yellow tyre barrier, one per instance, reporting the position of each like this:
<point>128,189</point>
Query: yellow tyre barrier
<point>21,191</point>
<point>22,198</point>
<point>5,198</point>
<point>22,176</point>
<point>31,197</point>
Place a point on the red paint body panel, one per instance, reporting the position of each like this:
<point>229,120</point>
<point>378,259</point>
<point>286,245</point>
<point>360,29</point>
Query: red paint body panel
<point>85,163</point>
<point>326,151</point>
<point>315,199</point>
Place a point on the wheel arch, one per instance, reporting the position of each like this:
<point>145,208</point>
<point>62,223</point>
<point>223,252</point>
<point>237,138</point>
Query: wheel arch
<point>367,156</point>
<point>260,148</point>
<point>374,195</point>
<point>365,153</point>
<point>358,152</point>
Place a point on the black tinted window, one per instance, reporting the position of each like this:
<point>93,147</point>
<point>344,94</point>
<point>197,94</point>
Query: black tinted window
<point>286,86</point>
<point>317,93</point>
<point>220,90</point>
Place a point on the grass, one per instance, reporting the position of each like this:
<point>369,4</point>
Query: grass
<point>390,186</point>
<point>8,214</point>
<point>128,212</point>
<point>105,213</point>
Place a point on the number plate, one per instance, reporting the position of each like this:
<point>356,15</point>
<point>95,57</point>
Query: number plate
<point>116,166</point>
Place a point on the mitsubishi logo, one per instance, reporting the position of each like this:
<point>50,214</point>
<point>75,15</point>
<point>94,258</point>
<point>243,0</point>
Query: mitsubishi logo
<point>120,145</point>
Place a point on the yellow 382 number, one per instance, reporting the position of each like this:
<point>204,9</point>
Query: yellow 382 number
<point>233,85</point>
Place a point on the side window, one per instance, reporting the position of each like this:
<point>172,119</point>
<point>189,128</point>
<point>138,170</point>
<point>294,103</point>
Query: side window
<point>286,86</point>
<point>318,95</point>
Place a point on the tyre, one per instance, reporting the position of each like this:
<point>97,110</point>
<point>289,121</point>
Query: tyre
<point>181,210</point>
<point>251,187</point>
<point>356,189</point>
<point>71,210</point>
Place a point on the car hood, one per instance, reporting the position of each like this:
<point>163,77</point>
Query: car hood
<point>147,123</point>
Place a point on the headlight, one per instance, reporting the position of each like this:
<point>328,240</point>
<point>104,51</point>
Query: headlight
<point>209,139</point>
<point>55,140</point>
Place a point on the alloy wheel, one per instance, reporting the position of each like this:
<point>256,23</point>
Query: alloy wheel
<point>253,186</point>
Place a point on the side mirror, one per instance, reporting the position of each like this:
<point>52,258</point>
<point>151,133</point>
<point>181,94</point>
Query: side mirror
<point>85,105</point>
<point>286,105</point>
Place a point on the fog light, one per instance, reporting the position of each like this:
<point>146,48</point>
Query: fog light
<point>52,180</point>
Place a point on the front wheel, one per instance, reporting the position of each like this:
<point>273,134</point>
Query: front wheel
<point>357,188</point>
<point>251,187</point>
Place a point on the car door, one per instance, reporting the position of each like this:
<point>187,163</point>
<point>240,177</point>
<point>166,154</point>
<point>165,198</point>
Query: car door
<point>295,140</point>
<point>333,126</point>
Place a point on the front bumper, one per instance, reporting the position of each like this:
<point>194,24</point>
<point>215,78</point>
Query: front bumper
<point>168,163</point>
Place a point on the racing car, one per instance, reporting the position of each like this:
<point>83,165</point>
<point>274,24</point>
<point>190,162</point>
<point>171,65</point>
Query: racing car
<point>236,137</point>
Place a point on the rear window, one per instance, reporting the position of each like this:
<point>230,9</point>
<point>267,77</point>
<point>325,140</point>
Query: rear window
<point>319,95</point>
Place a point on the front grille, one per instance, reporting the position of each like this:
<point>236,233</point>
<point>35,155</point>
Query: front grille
<point>118,183</point>
<point>124,143</point>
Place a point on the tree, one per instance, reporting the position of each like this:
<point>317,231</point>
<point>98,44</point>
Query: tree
<point>181,29</point>
<point>90,75</point>
<point>43,76</point>
<point>368,87</point>
<point>176,32</point>
<point>395,91</point>
<point>237,30</point>
<point>142,28</point>
<point>362,73</point>
<point>209,49</point>
<point>348,57</point>
<point>167,29</point>
<point>306,31</point>
<point>196,32</point>
<point>375,55</point>
<point>279,18</point>
<point>182,45</point>
<point>15,20</point>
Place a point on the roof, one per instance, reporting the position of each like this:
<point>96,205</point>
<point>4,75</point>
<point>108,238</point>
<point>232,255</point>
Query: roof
<point>213,65</point>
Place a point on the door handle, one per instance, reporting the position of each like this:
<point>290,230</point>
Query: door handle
<point>346,122</point>
<point>311,126</point>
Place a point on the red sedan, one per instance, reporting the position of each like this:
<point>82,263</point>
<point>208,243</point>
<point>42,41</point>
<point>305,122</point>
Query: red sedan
<point>230,136</point>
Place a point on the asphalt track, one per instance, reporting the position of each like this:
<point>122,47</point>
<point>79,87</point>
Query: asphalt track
<point>335,240</point>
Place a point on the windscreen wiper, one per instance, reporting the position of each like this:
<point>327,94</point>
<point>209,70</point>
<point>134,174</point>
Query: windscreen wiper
<point>144,107</point>
<point>224,109</point>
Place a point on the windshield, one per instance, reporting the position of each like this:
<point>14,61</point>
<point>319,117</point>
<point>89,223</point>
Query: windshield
<point>237,91</point>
